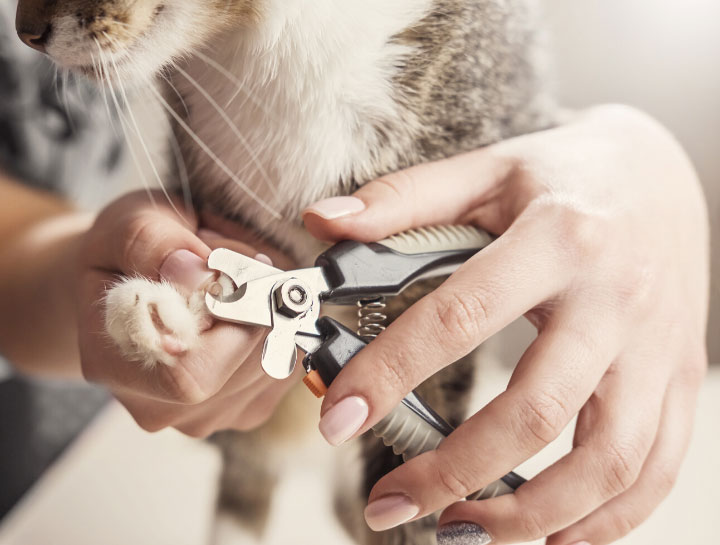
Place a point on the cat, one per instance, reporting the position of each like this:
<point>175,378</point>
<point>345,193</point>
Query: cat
<point>279,103</point>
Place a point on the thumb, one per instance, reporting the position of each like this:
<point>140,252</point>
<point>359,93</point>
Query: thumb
<point>429,194</point>
<point>133,236</point>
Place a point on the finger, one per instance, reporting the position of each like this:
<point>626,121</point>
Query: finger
<point>133,236</point>
<point>189,272</point>
<point>514,274</point>
<point>558,374</point>
<point>622,514</point>
<point>410,198</point>
<point>239,404</point>
<point>614,437</point>
<point>243,410</point>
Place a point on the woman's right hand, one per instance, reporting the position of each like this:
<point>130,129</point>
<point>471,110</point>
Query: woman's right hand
<point>218,386</point>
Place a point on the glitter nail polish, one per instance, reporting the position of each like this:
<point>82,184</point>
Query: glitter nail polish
<point>463,533</point>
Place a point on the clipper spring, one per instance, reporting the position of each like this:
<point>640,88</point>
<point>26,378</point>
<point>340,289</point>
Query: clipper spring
<point>371,317</point>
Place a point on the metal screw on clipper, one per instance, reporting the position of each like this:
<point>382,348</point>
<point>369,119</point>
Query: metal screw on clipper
<point>292,298</point>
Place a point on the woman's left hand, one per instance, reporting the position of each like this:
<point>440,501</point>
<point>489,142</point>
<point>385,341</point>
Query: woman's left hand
<point>603,246</point>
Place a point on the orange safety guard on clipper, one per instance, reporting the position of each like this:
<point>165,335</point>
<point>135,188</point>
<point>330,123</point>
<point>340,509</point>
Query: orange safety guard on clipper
<point>315,384</point>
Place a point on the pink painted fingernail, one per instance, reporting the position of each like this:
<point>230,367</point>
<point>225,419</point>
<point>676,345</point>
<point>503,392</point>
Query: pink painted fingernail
<point>389,512</point>
<point>262,258</point>
<point>344,419</point>
<point>184,268</point>
<point>336,207</point>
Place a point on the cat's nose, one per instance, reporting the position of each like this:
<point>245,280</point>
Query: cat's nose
<point>33,22</point>
<point>36,40</point>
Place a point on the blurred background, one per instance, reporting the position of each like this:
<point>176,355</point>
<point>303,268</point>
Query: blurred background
<point>658,55</point>
<point>74,468</point>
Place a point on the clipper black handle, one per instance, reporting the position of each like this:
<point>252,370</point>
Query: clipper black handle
<point>355,270</point>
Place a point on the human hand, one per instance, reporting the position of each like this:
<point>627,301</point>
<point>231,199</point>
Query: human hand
<point>214,385</point>
<point>603,246</point>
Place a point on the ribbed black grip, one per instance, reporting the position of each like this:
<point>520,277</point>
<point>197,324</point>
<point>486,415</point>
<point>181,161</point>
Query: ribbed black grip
<point>355,270</point>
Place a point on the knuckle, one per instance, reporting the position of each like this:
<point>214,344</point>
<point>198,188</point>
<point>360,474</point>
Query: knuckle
<point>581,231</point>
<point>137,236</point>
<point>391,368</point>
<point>581,234</point>
<point>151,425</point>
<point>149,422</point>
<point>621,468</point>
<point>623,523</point>
<point>695,371</point>
<point>634,286</point>
<point>455,484</point>
<point>543,417</point>
<point>664,480</point>
<point>196,430</point>
<point>398,184</point>
<point>459,318</point>
<point>180,386</point>
<point>534,525</point>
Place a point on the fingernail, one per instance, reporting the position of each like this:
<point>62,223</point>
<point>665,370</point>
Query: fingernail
<point>582,543</point>
<point>336,207</point>
<point>462,533</point>
<point>344,419</point>
<point>208,233</point>
<point>389,512</point>
<point>186,269</point>
<point>262,258</point>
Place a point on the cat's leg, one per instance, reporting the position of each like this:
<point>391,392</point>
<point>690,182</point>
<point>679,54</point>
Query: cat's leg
<point>247,481</point>
<point>253,462</point>
<point>152,321</point>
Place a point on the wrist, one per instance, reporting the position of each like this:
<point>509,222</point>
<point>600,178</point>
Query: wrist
<point>39,269</point>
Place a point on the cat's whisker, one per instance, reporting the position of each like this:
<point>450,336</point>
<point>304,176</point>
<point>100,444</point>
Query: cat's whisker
<point>179,159</point>
<point>232,78</point>
<point>182,168</point>
<point>146,150</point>
<point>177,93</point>
<point>103,90</point>
<point>133,155</point>
<point>177,151</point>
<point>138,168</point>
<point>123,126</point>
<point>65,100</point>
<point>204,147</point>
<point>253,156</point>
<point>56,84</point>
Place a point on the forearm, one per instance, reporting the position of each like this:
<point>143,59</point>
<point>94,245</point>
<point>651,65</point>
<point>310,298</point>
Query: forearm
<point>39,240</point>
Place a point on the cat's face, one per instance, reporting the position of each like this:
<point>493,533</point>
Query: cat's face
<point>132,39</point>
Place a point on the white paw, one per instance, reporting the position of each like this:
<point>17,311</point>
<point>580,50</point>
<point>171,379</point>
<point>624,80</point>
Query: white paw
<point>152,322</point>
